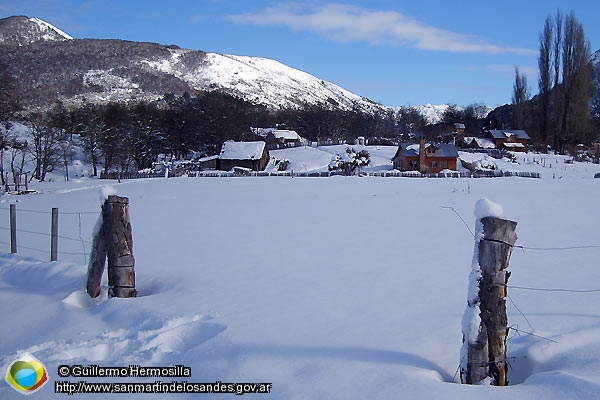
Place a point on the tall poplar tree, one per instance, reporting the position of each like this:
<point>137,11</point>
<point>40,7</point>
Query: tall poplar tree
<point>565,96</point>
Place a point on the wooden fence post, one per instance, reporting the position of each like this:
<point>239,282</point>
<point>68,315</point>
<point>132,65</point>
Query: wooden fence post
<point>13,229</point>
<point>115,242</point>
<point>486,354</point>
<point>121,273</point>
<point>54,236</point>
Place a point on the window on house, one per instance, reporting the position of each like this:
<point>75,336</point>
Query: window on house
<point>434,164</point>
<point>444,164</point>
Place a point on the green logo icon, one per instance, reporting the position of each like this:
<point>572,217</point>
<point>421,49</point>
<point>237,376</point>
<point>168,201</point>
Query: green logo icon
<point>26,374</point>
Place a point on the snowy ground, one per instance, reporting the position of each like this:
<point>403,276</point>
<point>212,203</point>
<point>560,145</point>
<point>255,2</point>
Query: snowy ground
<point>339,287</point>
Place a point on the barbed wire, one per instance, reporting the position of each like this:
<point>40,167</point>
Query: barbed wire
<point>49,212</point>
<point>520,312</point>
<point>461,218</point>
<point>46,251</point>
<point>512,327</point>
<point>551,289</point>
<point>581,247</point>
<point>47,234</point>
<point>537,249</point>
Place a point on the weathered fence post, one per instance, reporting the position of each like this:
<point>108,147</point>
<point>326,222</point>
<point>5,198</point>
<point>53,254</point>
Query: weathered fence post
<point>485,321</point>
<point>97,261</point>
<point>121,274</point>
<point>54,236</point>
<point>13,229</point>
<point>115,242</point>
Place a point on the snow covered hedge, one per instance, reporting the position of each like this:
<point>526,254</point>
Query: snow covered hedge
<point>349,161</point>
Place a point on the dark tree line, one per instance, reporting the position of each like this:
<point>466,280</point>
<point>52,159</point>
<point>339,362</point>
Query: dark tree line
<point>130,136</point>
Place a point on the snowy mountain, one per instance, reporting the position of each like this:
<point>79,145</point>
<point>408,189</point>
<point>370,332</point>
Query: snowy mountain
<point>116,70</point>
<point>432,113</point>
<point>258,80</point>
<point>21,31</point>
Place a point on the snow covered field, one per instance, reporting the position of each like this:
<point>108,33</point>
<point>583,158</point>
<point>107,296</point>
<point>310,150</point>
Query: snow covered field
<point>340,287</point>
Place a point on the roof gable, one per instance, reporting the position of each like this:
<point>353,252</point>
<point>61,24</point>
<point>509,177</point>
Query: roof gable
<point>484,143</point>
<point>506,133</point>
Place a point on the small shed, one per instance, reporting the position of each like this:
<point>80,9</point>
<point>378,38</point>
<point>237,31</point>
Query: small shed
<point>209,162</point>
<point>252,155</point>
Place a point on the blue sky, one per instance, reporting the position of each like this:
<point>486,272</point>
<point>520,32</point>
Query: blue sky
<point>395,53</point>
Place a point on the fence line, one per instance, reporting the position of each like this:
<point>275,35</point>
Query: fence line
<point>48,234</point>
<point>53,235</point>
<point>49,212</point>
<point>322,174</point>
<point>383,174</point>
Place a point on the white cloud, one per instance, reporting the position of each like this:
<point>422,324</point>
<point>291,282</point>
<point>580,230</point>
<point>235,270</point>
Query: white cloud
<point>347,23</point>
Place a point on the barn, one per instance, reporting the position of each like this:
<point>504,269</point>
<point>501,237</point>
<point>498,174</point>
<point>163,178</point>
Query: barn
<point>251,155</point>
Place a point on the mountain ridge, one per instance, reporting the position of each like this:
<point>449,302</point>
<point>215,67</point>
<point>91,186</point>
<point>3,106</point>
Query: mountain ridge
<point>50,66</point>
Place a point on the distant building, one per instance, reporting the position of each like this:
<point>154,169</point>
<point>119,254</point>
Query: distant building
<point>512,140</point>
<point>251,155</point>
<point>425,157</point>
<point>459,128</point>
<point>479,143</point>
<point>279,138</point>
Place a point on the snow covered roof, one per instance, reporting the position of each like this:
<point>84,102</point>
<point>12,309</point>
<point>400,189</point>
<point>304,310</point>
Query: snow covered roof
<point>208,158</point>
<point>278,133</point>
<point>514,145</point>
<point>242,150</point>
<point>505,134</point>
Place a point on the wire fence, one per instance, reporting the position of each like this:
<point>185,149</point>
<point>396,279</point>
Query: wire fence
<point>532,329</point>
<point>73,236</point>
<point>533,288</point>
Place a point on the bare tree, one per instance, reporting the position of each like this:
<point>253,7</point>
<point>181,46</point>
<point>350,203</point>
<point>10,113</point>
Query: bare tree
<point>44,145</point>
<point>64,122</point>
<point>18,151</point>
